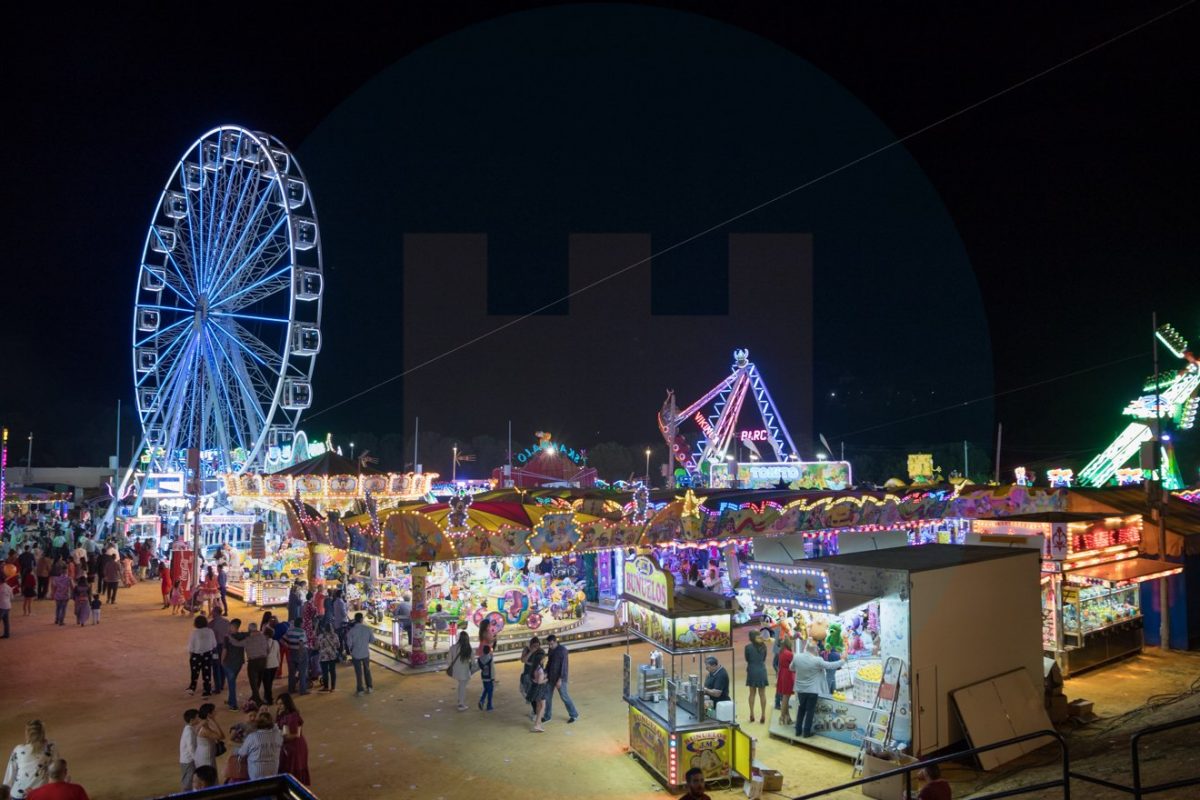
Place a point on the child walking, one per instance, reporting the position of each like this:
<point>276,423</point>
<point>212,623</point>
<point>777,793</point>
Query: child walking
<point>487,676</point>
<point>95,609</point>
<point>176,598</point>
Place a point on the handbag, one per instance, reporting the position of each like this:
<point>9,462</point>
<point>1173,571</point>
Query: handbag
<point>220,749</point>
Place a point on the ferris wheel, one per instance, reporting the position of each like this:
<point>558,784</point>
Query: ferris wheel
<point>227,312</point>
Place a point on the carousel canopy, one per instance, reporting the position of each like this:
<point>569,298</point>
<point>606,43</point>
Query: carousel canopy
<point>328,463</point>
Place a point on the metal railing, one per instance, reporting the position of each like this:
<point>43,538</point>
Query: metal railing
<point>906,771</point>
<point>1137,789</point>
<point>278,787</point>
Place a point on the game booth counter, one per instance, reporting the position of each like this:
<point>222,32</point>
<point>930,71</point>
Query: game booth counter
<point>1091,575</point>
<point>898,618</point>
<point>673,725</point>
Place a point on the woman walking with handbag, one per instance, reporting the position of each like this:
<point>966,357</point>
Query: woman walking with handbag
<point>461,667</point>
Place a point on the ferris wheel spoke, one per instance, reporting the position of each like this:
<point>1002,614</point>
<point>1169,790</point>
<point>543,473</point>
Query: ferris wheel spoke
<point>161,332</point>
<point>251,317</point>
<point>254,347</point>
<point>222,426</point>
<point>253,254</point>
<point>206,233</point>
<point>249,396</point>
<point>191,226</point>
<point>221,259</point>
<point>256,224</point>
<point>267,278</point>
<point>182,336</point>
<point>222,222</point>
<point>259,290</point>
<point>188,298</point>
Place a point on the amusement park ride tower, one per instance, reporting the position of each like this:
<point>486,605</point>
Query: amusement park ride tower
<point>719,427</point>
<point>1170,396</point>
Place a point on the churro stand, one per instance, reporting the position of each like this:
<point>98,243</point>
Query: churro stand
<point>673,725</point>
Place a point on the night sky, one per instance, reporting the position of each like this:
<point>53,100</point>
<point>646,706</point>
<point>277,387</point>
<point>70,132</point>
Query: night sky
<point>1073,198</point>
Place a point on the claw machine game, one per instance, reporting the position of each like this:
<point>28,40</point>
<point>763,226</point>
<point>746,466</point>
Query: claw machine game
<point>1092,569</point>
<point>673,724</point>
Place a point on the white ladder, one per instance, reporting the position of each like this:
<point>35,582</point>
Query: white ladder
<point>883,713</point>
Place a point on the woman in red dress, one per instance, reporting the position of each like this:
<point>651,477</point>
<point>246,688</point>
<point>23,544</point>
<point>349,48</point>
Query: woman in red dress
<point>293,758</point>
<point>785,681</point>
<point>164,577</point>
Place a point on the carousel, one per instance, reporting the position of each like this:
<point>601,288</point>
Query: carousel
<point>267,562</point>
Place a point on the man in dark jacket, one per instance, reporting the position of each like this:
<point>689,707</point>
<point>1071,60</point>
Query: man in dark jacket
<point>295,602</point>
<point>27,561</point>
<point>556,674</point>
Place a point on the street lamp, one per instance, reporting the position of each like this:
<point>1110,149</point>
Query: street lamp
<point>352,451</point>
<point>29,462</point>
<point>647,466</point>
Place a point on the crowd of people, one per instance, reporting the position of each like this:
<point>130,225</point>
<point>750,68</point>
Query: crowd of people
<point>46,558</point>
<point>267,740</point>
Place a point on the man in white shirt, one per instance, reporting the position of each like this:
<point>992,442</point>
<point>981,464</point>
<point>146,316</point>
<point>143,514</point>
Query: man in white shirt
<point>810,679</point>
<point>6,595</point>
<point>187,749</point>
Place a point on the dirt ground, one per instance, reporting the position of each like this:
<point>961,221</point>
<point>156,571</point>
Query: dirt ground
<point>112,697</point>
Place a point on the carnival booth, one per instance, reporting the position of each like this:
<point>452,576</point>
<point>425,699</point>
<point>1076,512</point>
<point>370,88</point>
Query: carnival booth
<point>914,625</point>
<point>673,725</point>
<point>144,527</point>
<point>1091,574</point>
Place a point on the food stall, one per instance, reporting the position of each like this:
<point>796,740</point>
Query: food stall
<point>673,725</point>
<point>899,617</point>
<point>1091,572</point>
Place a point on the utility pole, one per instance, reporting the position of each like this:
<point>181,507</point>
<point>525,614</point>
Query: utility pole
<point>999,433</point>
<point>1164,611</point>
<point>966,462</point>
<point>454,466</point>
<point>416,440</point>
<point>117,466</point>
<point>647,467</point>
<point>508,481</point>
<point>29,462</point>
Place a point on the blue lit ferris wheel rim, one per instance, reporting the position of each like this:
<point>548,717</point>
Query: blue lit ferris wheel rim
<point>227,307</point>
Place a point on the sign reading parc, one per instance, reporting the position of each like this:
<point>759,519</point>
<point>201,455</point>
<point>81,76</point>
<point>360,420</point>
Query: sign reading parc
<point>646,582</point>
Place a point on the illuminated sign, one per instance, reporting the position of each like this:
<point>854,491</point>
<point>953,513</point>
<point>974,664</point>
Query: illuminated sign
<point>164,484</point>
<point>576,456</point>
<point>703,423</point>
<point>702,633</point>
<point>1060,478</point>
<point>759,435</point>
<point>650,741</point>
<point>831,475</point>
<point>647,583</point>
<point>708,750</point>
